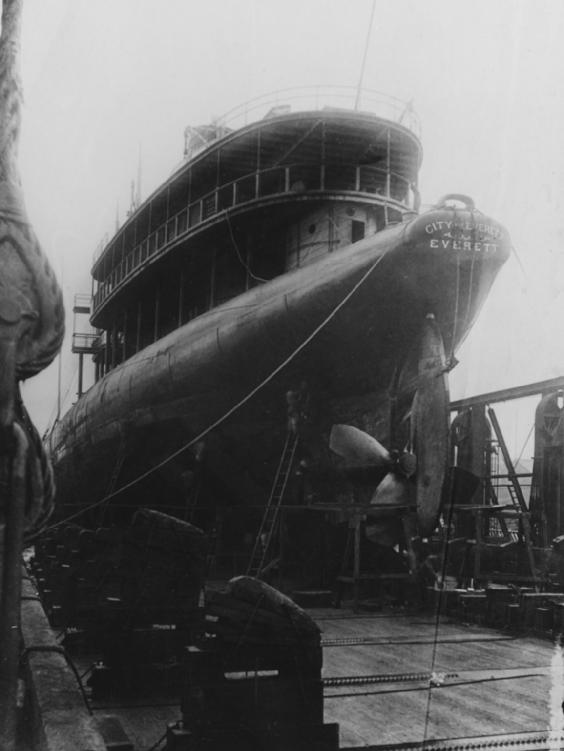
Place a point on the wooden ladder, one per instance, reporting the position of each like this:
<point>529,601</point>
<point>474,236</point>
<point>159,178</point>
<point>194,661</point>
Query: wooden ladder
<point>270,518</point>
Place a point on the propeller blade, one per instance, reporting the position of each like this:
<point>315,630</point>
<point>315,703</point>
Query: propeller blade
<point>430,424</point>
<point>394,490</point>
<point>357,448</point>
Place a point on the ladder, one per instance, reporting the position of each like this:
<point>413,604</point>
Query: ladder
<point>270,518</point>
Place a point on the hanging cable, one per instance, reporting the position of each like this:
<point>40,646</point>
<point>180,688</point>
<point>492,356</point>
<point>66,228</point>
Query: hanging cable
<point>469,301</point>
<point>519,263</point>
<point>235,407</point>
<point>444,563</point>
<point>456,306</point>
<point>54,416</point>
<point>238,252</point>
<point>516,462</point>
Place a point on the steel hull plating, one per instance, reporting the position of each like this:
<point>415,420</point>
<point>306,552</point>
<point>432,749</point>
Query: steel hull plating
<point>344,325</point>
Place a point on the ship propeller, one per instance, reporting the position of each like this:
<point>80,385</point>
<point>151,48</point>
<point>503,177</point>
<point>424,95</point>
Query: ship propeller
<point>357,448</point>
<point>411,478</point>
<point>361,453</point>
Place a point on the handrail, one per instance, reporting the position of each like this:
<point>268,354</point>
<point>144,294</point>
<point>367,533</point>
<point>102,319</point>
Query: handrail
<point>308,98</point>
<point>319,97</point>
<point>354,178</point>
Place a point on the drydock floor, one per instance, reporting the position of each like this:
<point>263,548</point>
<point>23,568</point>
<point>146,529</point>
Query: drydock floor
<point>377,671</point>
<point>492,689</point>
<point>393,679</point>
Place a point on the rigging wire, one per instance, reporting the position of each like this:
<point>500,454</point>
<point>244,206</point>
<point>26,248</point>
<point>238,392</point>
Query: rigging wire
<point>444,562</point>
<point>525,444</point>
<point>450,511</point>
<point>238,252</point>
<point>456,307</point>
<point>235,407</point>
<point>55,412</point>
<point>363,66</point>
<point>469,302</point>
<point>519,262</point>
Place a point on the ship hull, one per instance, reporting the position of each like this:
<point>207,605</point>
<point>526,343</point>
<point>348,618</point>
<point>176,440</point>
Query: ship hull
<point>345,326</point>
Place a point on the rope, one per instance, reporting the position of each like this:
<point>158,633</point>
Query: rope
<point>237,251</point>
<point>519,263</point>
<point>470,282</point>
<point>524,445</point>
<point>333,223</point>
<point>235,407</point>
<point>456,304</point>
<point>53,417</point>
<point>439,605</point>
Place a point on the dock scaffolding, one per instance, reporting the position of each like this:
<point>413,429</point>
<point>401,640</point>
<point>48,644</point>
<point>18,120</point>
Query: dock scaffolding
<point>497,527</point>
<point>499,524</point>
<point>85,341</point>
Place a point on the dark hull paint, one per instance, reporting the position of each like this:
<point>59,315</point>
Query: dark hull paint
<point>173,390</point>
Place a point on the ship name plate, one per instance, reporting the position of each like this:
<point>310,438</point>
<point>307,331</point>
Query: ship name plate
<point>464,245</point>
<point>463,236</point>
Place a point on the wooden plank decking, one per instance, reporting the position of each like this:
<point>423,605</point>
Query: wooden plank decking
<point>376,673</point>
<point>495,684</point>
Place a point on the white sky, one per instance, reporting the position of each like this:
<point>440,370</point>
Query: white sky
<point>106,78</point>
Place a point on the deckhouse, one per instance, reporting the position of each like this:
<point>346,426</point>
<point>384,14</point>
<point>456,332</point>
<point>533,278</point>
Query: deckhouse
<point>271,186</point>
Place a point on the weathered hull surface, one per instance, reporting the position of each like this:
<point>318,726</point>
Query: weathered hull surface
<point>312,324</point>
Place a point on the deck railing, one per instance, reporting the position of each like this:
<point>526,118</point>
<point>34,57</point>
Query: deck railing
<point>272,182</point>
<point>306,98</point>
<point>313,98</point>
<point>85,343</point>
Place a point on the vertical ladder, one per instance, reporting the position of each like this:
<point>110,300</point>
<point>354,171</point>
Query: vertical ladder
<point>270,517</point>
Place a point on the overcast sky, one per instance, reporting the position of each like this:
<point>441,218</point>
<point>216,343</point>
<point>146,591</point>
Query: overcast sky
<point>107,79</point>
